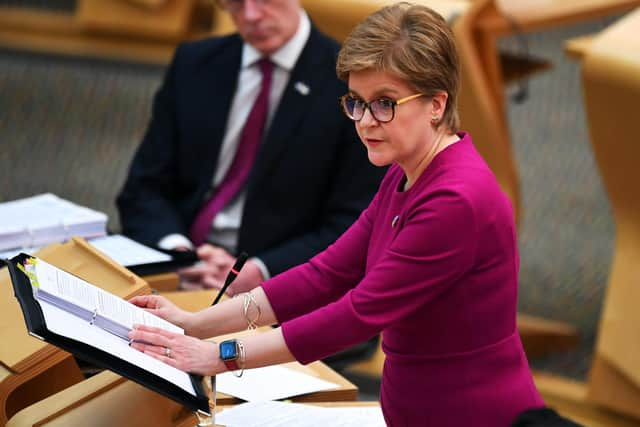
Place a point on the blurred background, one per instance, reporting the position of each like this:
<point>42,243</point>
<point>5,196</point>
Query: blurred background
<point>70,120</point>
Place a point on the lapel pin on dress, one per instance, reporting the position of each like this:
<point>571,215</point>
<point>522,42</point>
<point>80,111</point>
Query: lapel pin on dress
<point>395,221</point>
<point>302,88</point>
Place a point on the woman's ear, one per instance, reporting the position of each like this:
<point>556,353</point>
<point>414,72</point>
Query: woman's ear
<point>438,106</point>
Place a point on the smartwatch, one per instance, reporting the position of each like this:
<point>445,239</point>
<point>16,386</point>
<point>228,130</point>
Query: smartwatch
<point>231,354</point>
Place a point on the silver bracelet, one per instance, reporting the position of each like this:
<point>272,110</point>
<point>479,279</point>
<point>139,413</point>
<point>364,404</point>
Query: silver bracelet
<point>241,360</point>
<point>247,300</point>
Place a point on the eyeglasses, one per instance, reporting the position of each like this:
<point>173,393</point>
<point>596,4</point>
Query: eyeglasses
<point>383,109</point>
<point>236,5</point>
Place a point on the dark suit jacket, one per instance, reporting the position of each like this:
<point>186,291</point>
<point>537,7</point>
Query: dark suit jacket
<point>311,178</point>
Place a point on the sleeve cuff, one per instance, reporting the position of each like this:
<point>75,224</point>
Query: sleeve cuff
<point>263,268</point>
<point>173,241</point>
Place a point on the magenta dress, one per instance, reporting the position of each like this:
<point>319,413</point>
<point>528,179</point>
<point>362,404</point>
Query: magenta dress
<point>435,269</point>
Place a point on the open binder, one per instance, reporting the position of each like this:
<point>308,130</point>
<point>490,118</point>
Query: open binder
<point>62,320</point>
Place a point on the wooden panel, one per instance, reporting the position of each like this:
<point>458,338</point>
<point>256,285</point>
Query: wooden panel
<point>577,47</point>
<point>163,282</point>
<point>542,336</point>
<point>338,17</point>
<point>611,388</point>
<point>534,14</point>
<point>569,398</point>
<point>167,21</point>
<point>49,377</point>
<point>60,33</point>
<point>611,85</point>
<point>13,329</point>
<point>105,400</point>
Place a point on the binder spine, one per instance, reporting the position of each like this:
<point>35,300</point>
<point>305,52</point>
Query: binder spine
<point>112,327</point>
<point>81,312</point>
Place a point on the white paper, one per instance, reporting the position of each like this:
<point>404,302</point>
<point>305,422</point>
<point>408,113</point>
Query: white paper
<point>68,325</point>
<point>280,414</point>
<point>46,218</point>
<point>270,383</point>
<point>79,292</point>
<point>128,252</point>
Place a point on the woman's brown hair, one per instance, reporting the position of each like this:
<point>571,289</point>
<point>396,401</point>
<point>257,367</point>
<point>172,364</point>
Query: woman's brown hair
<point>412,42</point>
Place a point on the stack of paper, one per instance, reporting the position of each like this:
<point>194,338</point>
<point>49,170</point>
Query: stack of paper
<point>280,414</point>
<point>270,383</point>
<point>44,219</point>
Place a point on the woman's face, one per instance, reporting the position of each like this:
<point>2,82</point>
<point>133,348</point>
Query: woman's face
<point>408,138</point>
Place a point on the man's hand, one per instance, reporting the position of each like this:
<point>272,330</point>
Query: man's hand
<point>213,269</point>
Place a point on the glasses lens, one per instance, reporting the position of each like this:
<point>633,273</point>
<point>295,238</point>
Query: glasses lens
<point>353,107</point>
<point>382,109</point>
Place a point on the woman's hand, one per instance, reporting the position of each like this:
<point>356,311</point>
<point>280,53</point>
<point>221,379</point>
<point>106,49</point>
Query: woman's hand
<point>162,307</point>
<point>180,351</point>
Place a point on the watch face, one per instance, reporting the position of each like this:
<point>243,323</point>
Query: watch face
<point>228,350</point>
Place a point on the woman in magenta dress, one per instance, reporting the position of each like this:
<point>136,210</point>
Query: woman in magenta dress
<point>432,263</point>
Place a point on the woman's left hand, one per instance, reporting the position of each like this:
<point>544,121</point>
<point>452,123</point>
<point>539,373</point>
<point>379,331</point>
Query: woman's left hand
<point>186,353</point>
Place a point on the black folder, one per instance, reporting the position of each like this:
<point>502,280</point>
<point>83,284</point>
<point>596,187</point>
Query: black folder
<point>178,260</point>
<point>37,327</point>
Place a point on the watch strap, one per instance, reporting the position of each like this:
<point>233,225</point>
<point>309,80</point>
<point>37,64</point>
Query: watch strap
<point>232,364</point>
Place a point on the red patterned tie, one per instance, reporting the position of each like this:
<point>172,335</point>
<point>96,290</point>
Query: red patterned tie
<point>239,170</point>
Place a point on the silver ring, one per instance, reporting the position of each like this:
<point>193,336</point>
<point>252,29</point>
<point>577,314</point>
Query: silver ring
<point>167,352</point>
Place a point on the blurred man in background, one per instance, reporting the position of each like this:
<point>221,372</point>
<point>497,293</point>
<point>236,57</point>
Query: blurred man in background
<point>247,150</point>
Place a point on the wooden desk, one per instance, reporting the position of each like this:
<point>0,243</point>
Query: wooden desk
<point>107,399</point>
